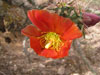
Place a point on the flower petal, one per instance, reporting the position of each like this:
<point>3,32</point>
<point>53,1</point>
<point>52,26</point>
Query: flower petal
<point>32,17</point>
<point>63,24</point>
<point>48,53</point>
<point>35,44</point>
<point>46,18</point>
<point>53,21</point>
<point>54,54</point>
<point>72,33</point>
<point>30,31</point>
<point>64,50</point>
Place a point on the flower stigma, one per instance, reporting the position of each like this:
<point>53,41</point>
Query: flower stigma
<point>51,40</point>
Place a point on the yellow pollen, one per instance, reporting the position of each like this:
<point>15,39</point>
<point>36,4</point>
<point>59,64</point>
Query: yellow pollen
<point>51,40</point>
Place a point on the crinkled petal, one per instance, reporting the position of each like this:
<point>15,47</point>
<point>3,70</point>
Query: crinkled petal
<point>35,21</point>
<point>53,21</point>
<point>35,44</point>
<point>72,33</point>
<point>31,31</point>
<point>48,53</point>
<point>63,24</point>
<point>46,18</point>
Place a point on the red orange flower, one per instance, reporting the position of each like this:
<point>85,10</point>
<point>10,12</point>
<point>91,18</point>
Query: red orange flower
<point>53,34</point>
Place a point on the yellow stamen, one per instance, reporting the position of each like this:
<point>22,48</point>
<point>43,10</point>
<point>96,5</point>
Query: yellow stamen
<point>51,40</point>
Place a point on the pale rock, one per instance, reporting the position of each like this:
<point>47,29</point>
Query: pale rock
<point>39,2</point>
<point>61,70</point>
<point>41,65</point>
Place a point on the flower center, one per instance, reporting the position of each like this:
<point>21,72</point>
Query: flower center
<point>51,40</point>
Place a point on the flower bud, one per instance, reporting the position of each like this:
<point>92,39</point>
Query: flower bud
<point>90,19</point>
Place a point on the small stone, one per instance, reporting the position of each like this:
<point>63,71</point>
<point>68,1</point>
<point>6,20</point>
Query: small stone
<point>1,2</point>
<point>89,73</point>
<point>61,70</point>
<point>75,74</point>
<point>49,60</point>
<point>10,62</point>
<point>41,65</point>
<point>39,2</point>
<point>15,67</point>
<point>63,60</point>
<point>0,47</point>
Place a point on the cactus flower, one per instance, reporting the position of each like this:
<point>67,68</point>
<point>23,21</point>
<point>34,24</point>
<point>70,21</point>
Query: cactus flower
<point>52,34</point>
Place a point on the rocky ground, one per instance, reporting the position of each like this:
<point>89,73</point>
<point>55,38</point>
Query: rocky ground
<point>14,61</point>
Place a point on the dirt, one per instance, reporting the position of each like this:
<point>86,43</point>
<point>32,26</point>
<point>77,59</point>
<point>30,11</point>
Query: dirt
<point>14,61</point>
